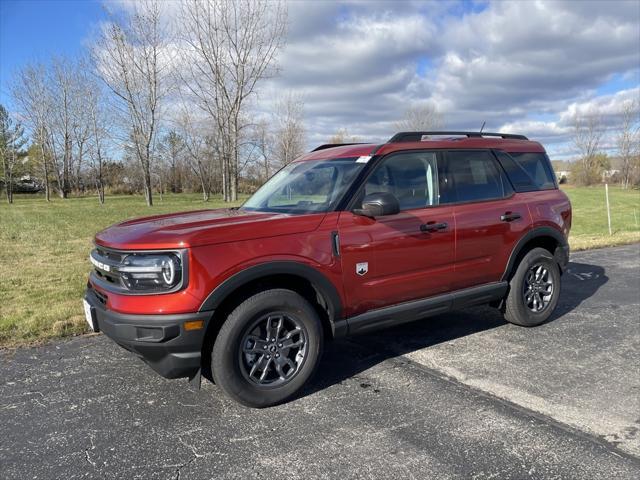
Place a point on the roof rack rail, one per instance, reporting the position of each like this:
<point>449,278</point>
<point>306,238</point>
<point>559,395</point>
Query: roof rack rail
<point>331,145</point>
<point>417,136</point>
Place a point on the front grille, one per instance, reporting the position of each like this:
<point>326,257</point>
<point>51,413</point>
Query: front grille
<point>108,258</point>
<point>115,257</point>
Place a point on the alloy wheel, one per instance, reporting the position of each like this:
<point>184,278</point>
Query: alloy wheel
<point>273,350</point>
<point>538,288</point>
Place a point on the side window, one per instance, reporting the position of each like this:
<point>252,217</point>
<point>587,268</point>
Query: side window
<point>476,176</point>
<point>413,178</point>
<point>537,166</point>
<point>519,177</point>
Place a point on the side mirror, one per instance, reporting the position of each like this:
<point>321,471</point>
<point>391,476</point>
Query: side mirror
<point>378,204</point>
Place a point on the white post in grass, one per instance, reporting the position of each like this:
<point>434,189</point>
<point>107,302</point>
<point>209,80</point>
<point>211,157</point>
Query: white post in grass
<point>606,193</point>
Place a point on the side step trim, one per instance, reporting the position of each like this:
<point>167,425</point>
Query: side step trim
<point>417,309</point>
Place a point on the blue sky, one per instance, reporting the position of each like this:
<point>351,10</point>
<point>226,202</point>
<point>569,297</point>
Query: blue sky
<point>35,30</point>
<point>521,66</point>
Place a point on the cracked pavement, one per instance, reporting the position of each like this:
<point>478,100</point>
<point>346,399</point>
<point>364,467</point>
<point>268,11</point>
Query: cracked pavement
<point>461,395</point>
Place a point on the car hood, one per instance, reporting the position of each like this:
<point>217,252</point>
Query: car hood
<point>203,227</point>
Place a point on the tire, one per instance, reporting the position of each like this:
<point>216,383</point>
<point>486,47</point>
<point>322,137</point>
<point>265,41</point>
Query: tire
<point>528,303</point>
<point>239,356</point>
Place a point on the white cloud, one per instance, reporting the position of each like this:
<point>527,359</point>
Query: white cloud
<point>508,64</point>
<point>522,66</point>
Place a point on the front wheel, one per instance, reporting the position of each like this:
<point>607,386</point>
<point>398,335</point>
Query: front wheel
<point>534,289</point>
<point>267,349</point>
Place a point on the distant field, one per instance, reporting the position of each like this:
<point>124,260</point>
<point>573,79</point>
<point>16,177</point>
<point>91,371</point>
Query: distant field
<point>44,249</point>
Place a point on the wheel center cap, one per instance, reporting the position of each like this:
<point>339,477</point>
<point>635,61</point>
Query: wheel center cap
<point>272,348</point>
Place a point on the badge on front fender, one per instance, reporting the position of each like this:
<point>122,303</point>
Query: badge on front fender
<point>362,268</point>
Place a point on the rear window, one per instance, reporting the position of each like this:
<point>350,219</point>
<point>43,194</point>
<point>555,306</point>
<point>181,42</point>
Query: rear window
<point>538,167</point>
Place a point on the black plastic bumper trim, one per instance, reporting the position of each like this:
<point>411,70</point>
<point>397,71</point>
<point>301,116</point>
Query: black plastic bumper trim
<point>417,309</point>
<point>159,340</point>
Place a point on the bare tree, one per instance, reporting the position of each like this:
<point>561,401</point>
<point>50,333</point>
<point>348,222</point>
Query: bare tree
<point>231,46</point>
<point>422,117</point>
<point>29,91</point>
<point>131,57</point>
<point>172,149</point>
<point>588,133</point>
<point>98,135</point>
<point>61,124</point>
<point>262,139</point>
<point>199,148</point>
<point>628,142</point>
<point>11,141</point>
<point>343,136</point>
<point>82,120</point>
<point>289,136</point>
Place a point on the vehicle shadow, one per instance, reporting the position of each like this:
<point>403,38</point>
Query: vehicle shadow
<point>347,358</point>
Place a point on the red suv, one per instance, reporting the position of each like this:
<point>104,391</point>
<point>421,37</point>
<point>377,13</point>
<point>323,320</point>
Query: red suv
<point>344,240</point>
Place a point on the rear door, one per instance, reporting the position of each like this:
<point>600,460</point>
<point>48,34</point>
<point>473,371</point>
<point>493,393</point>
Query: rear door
<point>393,259</point>
<point>490,217</point>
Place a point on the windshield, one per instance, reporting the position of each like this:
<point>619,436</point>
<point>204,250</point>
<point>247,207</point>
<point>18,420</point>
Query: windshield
<point>305,187</point>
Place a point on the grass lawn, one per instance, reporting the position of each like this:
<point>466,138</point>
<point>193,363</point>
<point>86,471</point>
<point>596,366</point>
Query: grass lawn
<point>590,230</point>
<point>44,249</point>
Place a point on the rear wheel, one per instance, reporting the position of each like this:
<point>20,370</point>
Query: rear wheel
<point>267,349</point>
<point>534,289</point>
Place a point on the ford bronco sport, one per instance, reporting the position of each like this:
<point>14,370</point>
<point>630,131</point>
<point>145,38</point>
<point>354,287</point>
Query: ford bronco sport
<point>346,239</point>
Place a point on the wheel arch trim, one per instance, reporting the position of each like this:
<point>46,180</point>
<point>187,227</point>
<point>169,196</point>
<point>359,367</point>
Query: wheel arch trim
<point>286,267</point>
<point>535,233</point>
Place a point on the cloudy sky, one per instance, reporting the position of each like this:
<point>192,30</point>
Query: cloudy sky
<point>520,66</point>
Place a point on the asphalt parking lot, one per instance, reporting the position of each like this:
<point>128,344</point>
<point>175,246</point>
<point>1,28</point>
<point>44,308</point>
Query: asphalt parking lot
<point>462,395</point>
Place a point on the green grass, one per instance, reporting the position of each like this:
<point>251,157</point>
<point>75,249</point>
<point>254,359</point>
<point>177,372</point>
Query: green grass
<point>44,249</point>
<point>590,230</point>
<point>44,264</point>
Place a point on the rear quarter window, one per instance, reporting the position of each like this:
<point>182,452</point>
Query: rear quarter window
<point>476,176</point>
<point>538,167</point>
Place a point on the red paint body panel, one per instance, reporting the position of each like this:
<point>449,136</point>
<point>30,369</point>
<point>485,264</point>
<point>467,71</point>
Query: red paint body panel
<point>212,263</point>
<point>484,242</point>
<point>436,144</point>
<point>203,227</point>
<point>403,262</point>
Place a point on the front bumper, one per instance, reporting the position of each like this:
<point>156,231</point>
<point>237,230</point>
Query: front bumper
<point>160,340</point>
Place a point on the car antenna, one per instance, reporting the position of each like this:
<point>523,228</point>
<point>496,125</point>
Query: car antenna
<point>482,127</point>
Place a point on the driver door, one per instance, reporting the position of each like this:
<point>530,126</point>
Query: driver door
<point>394,259</point>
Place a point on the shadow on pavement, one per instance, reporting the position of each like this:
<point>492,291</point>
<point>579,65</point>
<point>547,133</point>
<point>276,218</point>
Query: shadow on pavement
<point>580,282</point>
<point>347,358</point>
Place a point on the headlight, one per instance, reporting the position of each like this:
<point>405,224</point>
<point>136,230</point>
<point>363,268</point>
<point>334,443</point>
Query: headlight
<point>140,272</point>
<point>151,272</point>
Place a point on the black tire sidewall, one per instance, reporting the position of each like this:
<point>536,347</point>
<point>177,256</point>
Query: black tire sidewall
<point>225,363</point>
<point>523,315</point>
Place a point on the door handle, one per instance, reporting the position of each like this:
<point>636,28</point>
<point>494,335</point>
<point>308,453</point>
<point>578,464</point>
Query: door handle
<point>433,226</point>
<point>510,217</point>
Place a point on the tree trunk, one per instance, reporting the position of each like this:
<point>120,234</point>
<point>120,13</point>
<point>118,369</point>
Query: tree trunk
<point>205,189</point>
<point>65,168</point>
<point>148,193</point>
<point>45,168</point>
<point>9,178</point>
<point>78,167</point>
<point>235,161</point>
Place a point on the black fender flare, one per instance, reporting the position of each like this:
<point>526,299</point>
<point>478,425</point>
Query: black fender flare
<point>287,267</point>
<point>561,254</point>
